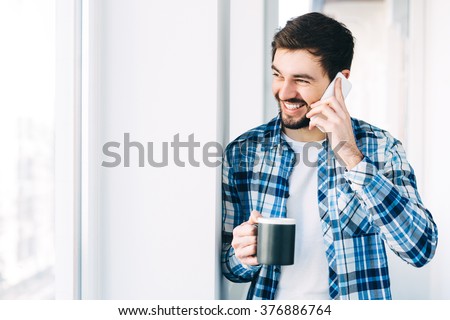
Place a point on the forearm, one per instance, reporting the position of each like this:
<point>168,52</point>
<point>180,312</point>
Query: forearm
<point>395,210</point>
<point>232,216</point>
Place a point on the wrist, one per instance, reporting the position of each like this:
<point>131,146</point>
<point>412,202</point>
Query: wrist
<point>349,158</point>
<point>347,153</point>
<point>353,161</point>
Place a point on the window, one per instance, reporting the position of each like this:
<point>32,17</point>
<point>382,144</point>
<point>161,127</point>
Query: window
<point>27,64</point>
<point>288,9</point>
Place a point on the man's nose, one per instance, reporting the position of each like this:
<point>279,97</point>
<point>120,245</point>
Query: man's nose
<point>287,91</point>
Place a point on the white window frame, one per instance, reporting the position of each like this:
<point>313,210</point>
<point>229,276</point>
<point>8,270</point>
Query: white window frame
<point>76,244</point>
<point>68,150</point>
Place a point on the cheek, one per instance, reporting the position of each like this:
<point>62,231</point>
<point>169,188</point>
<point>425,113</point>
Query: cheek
<point>311,95</point>
<point>307,95</point>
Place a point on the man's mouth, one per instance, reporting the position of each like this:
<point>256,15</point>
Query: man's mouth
<point>293,106</point>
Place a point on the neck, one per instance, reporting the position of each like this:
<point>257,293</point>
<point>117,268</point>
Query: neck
<point>304,134</point>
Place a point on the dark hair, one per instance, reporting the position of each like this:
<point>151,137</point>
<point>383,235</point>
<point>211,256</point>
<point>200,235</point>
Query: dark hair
<point>322,36</point>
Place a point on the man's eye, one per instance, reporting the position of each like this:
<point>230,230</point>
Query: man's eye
<point>302,81</point>
<point>275,74</point>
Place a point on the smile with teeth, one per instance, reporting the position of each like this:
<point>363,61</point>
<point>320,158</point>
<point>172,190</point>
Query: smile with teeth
<point>293,106</point>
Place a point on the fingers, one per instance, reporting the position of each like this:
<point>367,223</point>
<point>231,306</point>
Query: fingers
<point>244,230</point>
<point>332,103</point>
<point>245,240</point>
<point>336,102</point>
<point>244,243</point>
<point>254,215</point>
<point>250,261</point>
<point>324,114</point>
<point>244,253</point>
<point>330,111</point>
<point>324,109</point>
<point>319,122</point>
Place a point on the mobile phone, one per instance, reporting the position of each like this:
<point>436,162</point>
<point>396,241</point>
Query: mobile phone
<point>329,92</point>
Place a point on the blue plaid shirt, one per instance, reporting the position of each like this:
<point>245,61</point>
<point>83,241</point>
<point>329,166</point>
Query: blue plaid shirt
<point>361,210</point>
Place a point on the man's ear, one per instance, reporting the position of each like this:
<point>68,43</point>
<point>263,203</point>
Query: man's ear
<point>346,73</point>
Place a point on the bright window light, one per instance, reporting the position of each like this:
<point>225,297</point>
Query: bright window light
<point>288,9</point>
<point>27,64</point>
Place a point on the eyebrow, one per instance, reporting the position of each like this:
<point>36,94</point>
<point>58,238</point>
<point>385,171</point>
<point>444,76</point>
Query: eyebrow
<point>300,75</point>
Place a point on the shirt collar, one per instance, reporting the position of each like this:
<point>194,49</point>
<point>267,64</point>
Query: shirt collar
<point>273,136</point>
<point>272,133</point>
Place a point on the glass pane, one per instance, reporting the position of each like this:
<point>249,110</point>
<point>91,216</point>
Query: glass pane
<point>27,64</point>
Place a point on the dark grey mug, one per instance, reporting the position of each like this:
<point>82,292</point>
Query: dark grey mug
<point>276,241</point>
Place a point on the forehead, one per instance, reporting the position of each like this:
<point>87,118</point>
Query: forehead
<point>292,62</point>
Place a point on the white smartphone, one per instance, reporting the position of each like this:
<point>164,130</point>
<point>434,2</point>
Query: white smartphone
<point>329,92</point>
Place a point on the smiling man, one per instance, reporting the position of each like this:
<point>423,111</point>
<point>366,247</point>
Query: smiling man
<point>355,196</point>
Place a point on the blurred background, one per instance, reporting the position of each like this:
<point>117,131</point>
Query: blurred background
<point>76,74</point>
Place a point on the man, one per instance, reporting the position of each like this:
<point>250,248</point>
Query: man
<point>351,189</point>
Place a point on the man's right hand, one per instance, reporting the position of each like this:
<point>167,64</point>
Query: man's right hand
<point>244,240</point>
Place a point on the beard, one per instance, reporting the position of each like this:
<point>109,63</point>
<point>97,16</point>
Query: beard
<point>289,121</point>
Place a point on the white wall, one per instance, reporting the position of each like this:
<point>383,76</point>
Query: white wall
<point>155,71</point>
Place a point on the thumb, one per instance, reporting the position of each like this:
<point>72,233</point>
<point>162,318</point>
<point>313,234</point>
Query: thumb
<point>254,217</point>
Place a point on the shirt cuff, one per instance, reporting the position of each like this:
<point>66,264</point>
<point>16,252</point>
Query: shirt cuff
<point>361,175</point>
<point>235,263</point>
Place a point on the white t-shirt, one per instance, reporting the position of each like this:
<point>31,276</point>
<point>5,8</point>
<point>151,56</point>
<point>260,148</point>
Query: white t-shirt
<point>307,279</point>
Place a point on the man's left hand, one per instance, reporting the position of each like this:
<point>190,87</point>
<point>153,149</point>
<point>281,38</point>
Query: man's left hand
<point>335,120</point>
